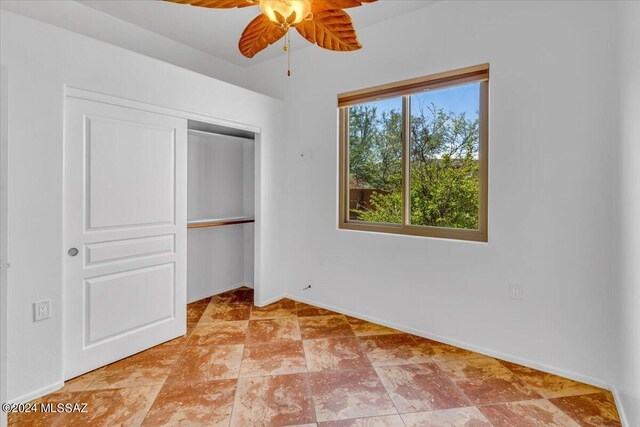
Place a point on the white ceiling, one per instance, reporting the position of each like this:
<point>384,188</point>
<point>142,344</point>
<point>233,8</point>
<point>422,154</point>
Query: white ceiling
<point>212,31</point>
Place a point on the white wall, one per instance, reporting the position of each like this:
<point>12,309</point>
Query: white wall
<point>215,260</point>
<point>248,191</point>
<point>628,375</point>
<point>4,98</point>
<point>41,59</point>
<point>79,18</point>
<point>215,176</point>
<point>552,111</point>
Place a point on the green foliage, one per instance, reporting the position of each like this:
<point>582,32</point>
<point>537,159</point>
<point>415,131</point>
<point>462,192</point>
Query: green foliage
<point>384,207</point>
<point>375,148</point>
<point>444,166</point>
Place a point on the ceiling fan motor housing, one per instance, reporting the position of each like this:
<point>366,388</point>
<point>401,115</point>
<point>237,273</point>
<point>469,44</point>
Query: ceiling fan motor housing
<point>288,13</point>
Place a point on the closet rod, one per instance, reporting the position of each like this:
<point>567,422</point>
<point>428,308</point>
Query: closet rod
<point>204,132</point>
<point>219,223</point>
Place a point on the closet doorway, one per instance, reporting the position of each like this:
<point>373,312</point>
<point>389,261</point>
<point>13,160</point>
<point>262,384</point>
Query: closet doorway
<point>220,209</point>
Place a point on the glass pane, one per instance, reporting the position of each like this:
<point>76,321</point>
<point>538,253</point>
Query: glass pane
<point>375,161</point>
<point>445,171</point>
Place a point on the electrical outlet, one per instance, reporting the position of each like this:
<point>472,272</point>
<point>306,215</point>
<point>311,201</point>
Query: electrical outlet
<point>516,291</point>
<point>42,309</point>
<point>305,156</point>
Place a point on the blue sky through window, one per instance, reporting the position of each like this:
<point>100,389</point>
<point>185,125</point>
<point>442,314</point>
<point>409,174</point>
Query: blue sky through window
<point>457,99</point>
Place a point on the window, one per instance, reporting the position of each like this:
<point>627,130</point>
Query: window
<point>413,156</point>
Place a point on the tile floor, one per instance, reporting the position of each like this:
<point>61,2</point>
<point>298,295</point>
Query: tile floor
<point>292,364</point>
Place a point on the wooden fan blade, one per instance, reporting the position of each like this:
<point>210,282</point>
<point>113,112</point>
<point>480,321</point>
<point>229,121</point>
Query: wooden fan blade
<point>259,34</point>
<point>318,5</point>
<point>330,29</point>
<point>216,4</point>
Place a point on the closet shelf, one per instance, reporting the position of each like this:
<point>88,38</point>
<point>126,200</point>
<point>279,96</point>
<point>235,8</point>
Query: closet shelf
<point>217,222</point>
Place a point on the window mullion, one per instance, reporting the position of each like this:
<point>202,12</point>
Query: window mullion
<point>406,161</point>
<point>344,175</point>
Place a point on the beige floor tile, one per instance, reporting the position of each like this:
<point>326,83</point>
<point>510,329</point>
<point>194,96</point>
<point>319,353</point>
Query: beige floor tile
<point>530,413</point>
<point>271,330</point>
<point>385,421</point>
<point>80,383</point>
<point>422,387</point>
<point>282,400</point>
<point>204,301</point>
<point>306,310</point>
<point>444,352</point>
<point>151,367</point>
<point>217,312</point>
<point>598,409</point>
<point>112,407</point>
<point>283,308</point>
<point>396,349</point>
<point>330,354</point>
<point>325,327</point>
<point>220,333</point>
<point>342,395</point>
<point>457,417</point>
<point>203,363</point>
<point>277,358</point>
<point>206,404</point>
<point>549,385</point>
<point>363,328</point>
<point>485,380</point>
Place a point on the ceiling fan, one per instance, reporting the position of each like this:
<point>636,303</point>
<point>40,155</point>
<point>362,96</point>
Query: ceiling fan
<point>321,22</point>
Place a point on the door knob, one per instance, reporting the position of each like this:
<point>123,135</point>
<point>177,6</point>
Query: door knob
<point>72,252</point>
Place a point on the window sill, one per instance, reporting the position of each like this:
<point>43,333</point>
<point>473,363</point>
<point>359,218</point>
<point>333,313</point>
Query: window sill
<point>417,231</point>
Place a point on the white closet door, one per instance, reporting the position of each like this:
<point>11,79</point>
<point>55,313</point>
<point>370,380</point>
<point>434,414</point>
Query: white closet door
<point>125,232</point>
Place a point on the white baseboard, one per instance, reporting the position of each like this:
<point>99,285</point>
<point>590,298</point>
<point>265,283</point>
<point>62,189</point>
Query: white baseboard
<point>271,300</point>
<point>38,393</point>
<point>620,406</point>
<point>471,347</point>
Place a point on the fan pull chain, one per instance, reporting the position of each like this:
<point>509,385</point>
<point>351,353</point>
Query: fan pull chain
<point>287,48</point>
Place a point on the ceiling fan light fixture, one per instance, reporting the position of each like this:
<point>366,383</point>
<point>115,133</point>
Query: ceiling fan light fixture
<point>277,10</point>
<point>320,22</point>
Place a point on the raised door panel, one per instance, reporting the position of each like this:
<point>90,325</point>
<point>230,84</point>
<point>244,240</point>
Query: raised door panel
<point>122,303</point>
<point>129,249</point>
<point>130,171</point>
